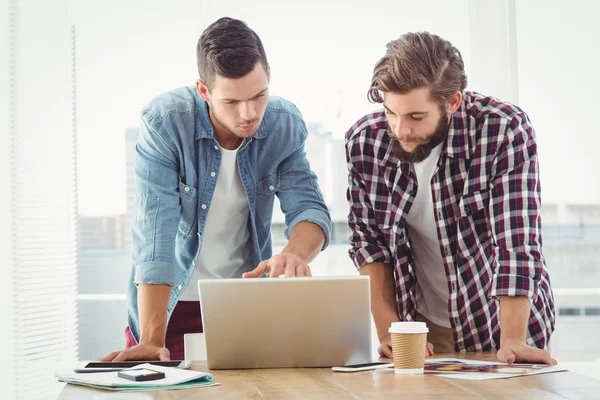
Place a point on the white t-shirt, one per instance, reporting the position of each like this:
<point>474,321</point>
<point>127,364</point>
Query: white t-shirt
<point>226,250</point>
<point>432,283</point>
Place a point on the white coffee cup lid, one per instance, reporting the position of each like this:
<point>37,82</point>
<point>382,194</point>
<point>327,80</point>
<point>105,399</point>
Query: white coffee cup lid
<point>408,327</point>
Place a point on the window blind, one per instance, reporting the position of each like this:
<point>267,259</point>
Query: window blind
<point>42,205</point>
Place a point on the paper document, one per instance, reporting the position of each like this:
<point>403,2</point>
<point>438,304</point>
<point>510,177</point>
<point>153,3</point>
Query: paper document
<point>175,378</point>
<point>483,370</point>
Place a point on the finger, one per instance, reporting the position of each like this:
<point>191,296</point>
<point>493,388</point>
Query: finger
<point>303,270</point>
<point>506,356</point>
<point>109,357</point>
<point>258,271</point>
<point>535,355</point>
<point>429,348</point>
<point>139,352</point>
<point>385,351</point>
<point>276,268</point>
<point>164,354</point>
<point>290,270</point>
<point>123,356</point>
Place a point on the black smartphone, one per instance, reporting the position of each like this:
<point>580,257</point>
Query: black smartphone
<point>105,366</point>
<point>140,374</point>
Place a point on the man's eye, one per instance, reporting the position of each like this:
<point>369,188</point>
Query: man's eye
<point>416,118</point>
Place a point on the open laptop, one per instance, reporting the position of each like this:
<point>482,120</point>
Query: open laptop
<point>286,322</point>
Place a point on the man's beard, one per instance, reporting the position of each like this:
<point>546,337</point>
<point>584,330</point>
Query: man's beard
<point>422,151</point>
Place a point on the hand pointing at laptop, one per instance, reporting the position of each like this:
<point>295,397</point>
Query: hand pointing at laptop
<point>306,241</point>
<point>284,264</point>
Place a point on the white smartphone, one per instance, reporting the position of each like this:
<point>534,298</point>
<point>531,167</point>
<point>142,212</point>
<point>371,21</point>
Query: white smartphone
<point>363,367</point>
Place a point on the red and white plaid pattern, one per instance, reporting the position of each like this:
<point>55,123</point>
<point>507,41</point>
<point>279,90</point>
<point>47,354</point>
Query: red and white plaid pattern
<point>486,194</point>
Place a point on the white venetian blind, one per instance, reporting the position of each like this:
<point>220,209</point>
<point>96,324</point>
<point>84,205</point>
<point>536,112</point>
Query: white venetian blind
<point>41,312</point>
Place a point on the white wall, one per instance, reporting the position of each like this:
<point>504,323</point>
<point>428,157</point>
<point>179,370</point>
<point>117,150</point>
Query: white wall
<point>493,48</point>
<point>559,88</point>
<point>128,52</point>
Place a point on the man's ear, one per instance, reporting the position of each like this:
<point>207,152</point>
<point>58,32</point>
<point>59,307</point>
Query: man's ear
<point>454,103</point>
<point>202,89</point>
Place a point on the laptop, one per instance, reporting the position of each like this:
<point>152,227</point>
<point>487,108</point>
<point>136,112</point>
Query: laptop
<point>286,322</point>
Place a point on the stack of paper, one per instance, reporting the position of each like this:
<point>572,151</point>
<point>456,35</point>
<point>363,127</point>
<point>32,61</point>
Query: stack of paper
<point>175,378</point>
<point>484,370</point>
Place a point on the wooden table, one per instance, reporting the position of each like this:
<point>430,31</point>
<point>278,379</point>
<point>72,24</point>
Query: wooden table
<point>322,383</point>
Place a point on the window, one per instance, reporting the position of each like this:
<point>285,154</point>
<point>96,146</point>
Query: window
<point>322,57</point>
<point>38,198</point>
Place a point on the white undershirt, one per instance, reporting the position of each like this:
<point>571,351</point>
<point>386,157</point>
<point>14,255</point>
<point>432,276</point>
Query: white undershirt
<point>226,250</point>
<point>432,284</point>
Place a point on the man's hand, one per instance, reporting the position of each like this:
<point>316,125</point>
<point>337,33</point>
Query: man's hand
<point>145,352</point>
<point>385,348</point>
<point>514,315</point>
<point>515,350</point>
<point>287,264</point>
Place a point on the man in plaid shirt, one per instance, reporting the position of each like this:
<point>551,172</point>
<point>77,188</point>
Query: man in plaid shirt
<point>445,208</point>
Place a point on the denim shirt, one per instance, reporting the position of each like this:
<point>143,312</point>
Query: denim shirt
<point>177,161</point>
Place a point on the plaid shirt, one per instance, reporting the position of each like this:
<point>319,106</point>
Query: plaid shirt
<point>486,196</point>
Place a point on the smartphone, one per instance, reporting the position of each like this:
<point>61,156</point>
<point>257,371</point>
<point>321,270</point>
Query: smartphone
<point>363,367</point>
<point>106,366</point>
<point>141,374</point>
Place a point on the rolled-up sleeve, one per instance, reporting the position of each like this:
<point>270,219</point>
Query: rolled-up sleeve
<point>515,213</point>
<point>300,195</point>
<point>157,207</point>
<point>367,242</point>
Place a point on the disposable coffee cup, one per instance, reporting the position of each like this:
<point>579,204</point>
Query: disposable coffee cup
<point>408,346</point>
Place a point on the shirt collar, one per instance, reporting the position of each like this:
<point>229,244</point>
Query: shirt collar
<point>459,143</point>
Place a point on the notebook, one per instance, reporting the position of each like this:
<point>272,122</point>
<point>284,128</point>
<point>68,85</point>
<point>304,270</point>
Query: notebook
<point>175,378</point>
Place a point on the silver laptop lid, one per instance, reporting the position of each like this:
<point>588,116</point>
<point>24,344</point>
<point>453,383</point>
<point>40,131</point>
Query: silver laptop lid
<point>286,322</point>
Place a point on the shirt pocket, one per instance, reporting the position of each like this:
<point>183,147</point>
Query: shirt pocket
<point>473,223</point>
<point>269,184</point>
<point>188,198</point>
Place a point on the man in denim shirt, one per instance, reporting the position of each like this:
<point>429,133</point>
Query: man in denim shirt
<point>210,160</point>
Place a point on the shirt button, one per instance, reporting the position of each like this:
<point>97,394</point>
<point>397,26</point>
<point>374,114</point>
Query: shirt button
<point>187,189</point>
<point>271,187</point>
<point>456,321</point>
<point>204,206</point>
<point>213,174</point>
<point>468,210</point>
<point>216,147</point>
<point>453,286</point>
<point>446,251</point>
<point>179,287</point>
<point>440,215</point>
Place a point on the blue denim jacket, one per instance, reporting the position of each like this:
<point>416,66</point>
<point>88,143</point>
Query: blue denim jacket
<point>176,156</point>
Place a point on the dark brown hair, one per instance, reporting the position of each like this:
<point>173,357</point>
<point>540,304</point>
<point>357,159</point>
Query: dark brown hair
<point>418,60</point>
<point>229,48</point>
